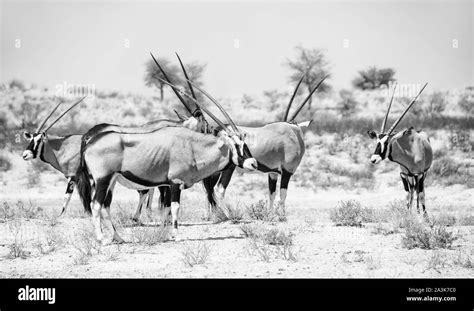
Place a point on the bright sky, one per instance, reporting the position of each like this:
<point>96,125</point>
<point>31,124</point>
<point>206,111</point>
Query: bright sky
<point>84,42</point>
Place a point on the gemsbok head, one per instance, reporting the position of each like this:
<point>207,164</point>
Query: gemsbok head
<point>409,148</point>
<point>37,139</point>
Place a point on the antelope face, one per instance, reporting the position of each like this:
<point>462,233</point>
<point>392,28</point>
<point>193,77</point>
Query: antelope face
<point>35,144</point>
<point>381,148</point>
<point>241,155</point>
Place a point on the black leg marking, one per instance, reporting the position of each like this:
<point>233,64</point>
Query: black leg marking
<point>285,179</point>
<point>108,199</point>
<point>175,197</point>
<point>272,184</point>
<point>101,189</point>
<point>405,182</point>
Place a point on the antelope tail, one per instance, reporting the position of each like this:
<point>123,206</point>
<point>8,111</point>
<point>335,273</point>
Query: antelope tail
<point>82,181</point>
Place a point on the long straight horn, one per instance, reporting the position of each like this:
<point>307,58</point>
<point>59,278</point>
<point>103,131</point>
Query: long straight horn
<point>186,76</point>
<point>406,109</point>
<point>58,118</point>
<point>219,122</point>
<point>226,115</point>
<point>285,117</point>
<point>168,80</point>
<point>47,118</point>
<point>307,98</point>
<point>382,130</point>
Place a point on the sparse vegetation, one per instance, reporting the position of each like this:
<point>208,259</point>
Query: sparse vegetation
<point>420,235</point>
<point>51,242</point>
<point>226,212</point>
<point>437,261</point>
<point>150,236</point>
<point>86,245</point>
<point>196,254</point>
<point>17,247</point>
<point>261,211</point>
<point>271,243</point>
<point>351,213</point>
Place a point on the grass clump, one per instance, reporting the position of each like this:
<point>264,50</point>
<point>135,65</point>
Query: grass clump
<point>420,235</point>
<point>351,213</point>
<point>195,255</point>
<point>261,211</point>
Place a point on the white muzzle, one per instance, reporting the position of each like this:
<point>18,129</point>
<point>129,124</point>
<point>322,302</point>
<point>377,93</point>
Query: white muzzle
<point>375,159</point>
<point>27,155</point>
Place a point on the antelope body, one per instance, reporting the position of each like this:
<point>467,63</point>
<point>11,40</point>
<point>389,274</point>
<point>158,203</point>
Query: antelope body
<point>175,156</point>
<point>411,150</point>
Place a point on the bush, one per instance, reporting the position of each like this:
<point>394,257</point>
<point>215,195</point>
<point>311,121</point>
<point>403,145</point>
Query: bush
<point>419,235</point>
<point>350,213</point>
<point>466,103</point>
<point>5,164</point>
<point>197,255</point>
<point>270,243</point>
<point>447,171</point>
<point>150,236</point>
<point>436,104</point>
<point>261,211</point>
<point>372,78</point>
<point>226,212</point>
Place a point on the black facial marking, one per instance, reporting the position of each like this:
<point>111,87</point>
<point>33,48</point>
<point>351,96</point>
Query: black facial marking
<point>242,157</point>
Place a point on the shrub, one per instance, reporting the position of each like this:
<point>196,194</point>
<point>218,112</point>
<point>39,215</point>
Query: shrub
<point>195,255</point>
<point>151,236</point>
<point>466,103</point>
<point>436,104</point>
<point>418,235</point>
<point>6,211</point>
<point>17,248</point>
<point>5,164</point>
<point>261,211</point>
<point>226,212</point>
<point>347,213</point>
<point>270,243</point>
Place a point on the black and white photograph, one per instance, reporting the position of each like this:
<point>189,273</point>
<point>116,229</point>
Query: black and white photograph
<point>237,140</point>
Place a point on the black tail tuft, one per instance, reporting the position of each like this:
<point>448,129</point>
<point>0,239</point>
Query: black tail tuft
<point>82,180</point>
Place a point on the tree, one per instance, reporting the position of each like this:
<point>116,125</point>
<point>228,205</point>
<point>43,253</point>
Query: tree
<point>313,65</point>
<point>195,72</point>
<point>373,78</point>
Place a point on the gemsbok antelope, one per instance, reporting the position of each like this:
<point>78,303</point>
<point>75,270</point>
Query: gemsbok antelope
<point>176,157</point>
<point>196,121</point>
<point>409,148</point>
<point>278,148</point>
<point>62,153</point>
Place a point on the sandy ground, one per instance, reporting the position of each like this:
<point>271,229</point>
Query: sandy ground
<point>321,249</point>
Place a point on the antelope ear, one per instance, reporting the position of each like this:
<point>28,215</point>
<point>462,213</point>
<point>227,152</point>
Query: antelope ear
<point>27,135</point>
<point>372,134</point>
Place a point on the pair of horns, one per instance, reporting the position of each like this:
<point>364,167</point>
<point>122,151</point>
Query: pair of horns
<point>58,118</point>
<point>285,118</point>
<point>219,122</point>
<point>392,128</point>
<point>175,90</point>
